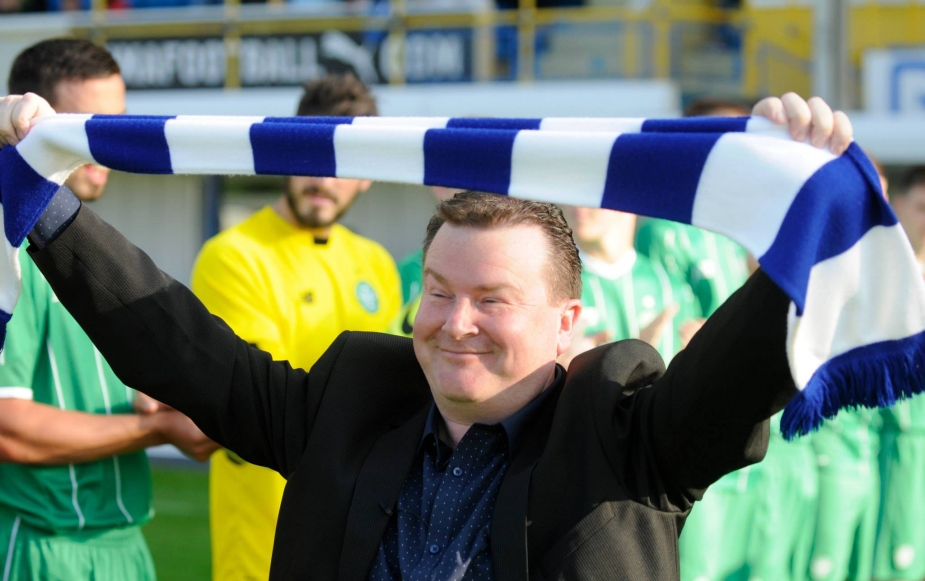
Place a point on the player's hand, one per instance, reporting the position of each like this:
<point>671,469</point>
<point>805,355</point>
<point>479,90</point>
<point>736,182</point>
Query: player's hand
<point>689,329</point>
<point>146,405</point>
<point>17,114</point>
<point>180,431</point>
<point>653,332</point>
<point>811,121</point>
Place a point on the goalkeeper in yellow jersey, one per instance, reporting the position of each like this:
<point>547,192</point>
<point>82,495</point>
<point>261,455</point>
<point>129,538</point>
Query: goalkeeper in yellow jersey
<point>289,279</point>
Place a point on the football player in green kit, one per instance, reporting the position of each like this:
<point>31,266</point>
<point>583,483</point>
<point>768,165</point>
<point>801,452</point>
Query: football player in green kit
<point>624,294</point>
<point>849,497</point>
<point>75,485</point>
<point>900,546</point>
<point>784,524</point>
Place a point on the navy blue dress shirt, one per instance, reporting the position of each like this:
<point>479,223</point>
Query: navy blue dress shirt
<point>60,211</point>
<point>440,531</point>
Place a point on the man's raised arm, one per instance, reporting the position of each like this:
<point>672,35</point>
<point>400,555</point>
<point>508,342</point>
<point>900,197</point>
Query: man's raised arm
<point>160,339</point>
<point>707,415</point>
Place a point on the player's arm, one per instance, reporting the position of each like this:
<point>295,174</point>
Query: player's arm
<point>32,432</point>
<point>160,339</point>
<point>36,433</point>
<point>707,415</point>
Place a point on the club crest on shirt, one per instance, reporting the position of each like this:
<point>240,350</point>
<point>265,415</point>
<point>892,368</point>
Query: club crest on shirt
<point>367,296</point>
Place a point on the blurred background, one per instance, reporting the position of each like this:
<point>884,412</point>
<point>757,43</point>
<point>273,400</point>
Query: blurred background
<point>515,58</point>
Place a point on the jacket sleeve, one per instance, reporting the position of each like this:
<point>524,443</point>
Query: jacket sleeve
<point>708,415</point>
<point>161,340</point>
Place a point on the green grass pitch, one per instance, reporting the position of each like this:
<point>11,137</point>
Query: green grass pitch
<point>179,532</point>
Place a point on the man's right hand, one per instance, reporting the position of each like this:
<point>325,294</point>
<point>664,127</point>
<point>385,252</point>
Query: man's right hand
<point>180,431</point>
<point>17,114</point>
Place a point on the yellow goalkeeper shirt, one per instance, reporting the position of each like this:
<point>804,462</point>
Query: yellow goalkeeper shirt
<point>291,296</point>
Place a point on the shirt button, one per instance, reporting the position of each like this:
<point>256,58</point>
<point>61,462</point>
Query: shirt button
<point>457,471</point>
<point>434,549</point>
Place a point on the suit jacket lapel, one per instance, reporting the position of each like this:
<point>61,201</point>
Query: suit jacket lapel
<point>376,495</point>
<point>509,520</point>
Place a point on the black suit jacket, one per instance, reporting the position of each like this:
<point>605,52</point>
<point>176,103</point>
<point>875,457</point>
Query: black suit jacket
<point>607,472</point>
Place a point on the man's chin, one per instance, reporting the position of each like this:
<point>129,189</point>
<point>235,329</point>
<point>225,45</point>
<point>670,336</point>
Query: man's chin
<point>467,390</point>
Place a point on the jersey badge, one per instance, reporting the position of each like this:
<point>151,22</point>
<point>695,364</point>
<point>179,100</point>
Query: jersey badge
<point>366,294</point>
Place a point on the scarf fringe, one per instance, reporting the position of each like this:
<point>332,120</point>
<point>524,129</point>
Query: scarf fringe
<point>872,376</point>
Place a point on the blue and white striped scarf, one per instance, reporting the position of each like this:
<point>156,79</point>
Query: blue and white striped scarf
<point>817,223</point>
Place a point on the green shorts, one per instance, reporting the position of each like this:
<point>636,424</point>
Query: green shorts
<point>846,526</point>
<point>715,540</point>
<point>900,552</point>
<point>29,554</point>
<point>787,492</point>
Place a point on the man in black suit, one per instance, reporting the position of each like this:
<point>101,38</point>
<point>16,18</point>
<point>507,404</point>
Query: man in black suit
<point>466,453</point>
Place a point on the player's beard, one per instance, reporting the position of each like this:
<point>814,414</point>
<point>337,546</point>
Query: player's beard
<point>312,217</point>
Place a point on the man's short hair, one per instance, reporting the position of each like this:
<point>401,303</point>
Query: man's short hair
<point>341,95</point>
<point>913,178</point>
<point>484,211</point>
<point>709,106</point>
<point>40,68</point>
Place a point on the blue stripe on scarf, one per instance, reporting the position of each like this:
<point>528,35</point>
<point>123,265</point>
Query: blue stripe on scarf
<point>310,120</point>
<point>643,167</point>
<point>20,212</point>
<point>139,146</point>
<point>480,158</point>
<point>696,125</point>
<point>4,319</point>
<point>836,191</point>
<point>294,149</point>
<point>514,124</point>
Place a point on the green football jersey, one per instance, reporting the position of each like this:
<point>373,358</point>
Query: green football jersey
<point>906,416</point>
<point>714,266</point>
<point>49,359</point>
<point>410,269</point>
<point>849,443</point>
<point>622,299</point>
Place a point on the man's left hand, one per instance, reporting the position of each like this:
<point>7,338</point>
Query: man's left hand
<point>812,121</point>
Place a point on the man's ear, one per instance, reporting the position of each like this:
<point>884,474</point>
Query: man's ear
<point>568,321</point>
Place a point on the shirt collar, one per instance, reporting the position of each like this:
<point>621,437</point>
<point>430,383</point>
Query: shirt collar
<point>608,270</point>
<point>513,426</point>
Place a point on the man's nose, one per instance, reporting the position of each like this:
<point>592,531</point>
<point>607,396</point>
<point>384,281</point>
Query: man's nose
<point>460,322</point>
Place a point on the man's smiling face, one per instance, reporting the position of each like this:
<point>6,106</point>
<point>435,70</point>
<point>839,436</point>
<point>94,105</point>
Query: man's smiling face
<point>488,332</point>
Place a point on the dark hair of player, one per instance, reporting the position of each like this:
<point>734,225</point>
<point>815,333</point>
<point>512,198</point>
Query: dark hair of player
<point>341,95</point>
<point>709,106</point>
<point>40,68</point>
<point>911,179</point>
